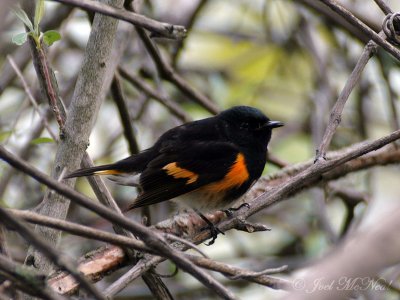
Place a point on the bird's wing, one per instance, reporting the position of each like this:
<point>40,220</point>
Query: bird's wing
<point>181,169</point>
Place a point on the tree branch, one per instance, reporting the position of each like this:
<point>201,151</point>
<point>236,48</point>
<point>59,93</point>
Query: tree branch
<point>161,29</point>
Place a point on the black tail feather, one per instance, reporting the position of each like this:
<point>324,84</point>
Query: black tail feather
<point>92,171</point>
<point>132,164</point>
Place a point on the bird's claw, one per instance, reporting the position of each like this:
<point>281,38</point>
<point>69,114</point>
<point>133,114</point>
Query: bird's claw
<point>229,211</point>
<point>214,230</point>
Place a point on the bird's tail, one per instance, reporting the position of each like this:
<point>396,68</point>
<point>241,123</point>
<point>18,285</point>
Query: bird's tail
<point>131,165</point>
<point>111,169</point>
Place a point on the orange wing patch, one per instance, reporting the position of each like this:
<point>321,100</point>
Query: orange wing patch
<point>108,172</point>
<point>178,172</point>
<point>237,175</point>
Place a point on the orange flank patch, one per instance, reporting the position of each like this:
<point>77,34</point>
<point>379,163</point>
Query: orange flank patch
<point>108,172</point>
<point>178,172</point>
<point>236,176</point>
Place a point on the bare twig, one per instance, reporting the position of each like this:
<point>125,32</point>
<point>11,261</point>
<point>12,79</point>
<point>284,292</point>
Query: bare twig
<point>384,7</point>
<point>230,271</point>
<point>248,274</point>
<point>43,117</point>
<point>49,87</point>
<point>392,97</point>
<point>162,29</point>
<point>189,25</point>
<point>336,113</point>
<point>119,99</point>
<point>142,86</point>
<point>80,230</point>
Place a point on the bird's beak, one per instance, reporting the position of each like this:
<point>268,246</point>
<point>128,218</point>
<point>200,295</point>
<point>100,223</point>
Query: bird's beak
<point>274,124</point>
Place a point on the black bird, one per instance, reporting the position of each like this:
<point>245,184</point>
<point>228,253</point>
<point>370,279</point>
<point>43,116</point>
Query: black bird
<point>206,164</point>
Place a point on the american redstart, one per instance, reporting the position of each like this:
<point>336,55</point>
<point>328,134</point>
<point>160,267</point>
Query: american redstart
<point>206,164</point>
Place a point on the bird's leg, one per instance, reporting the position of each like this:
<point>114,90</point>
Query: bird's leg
<point>229,211</point>
<point>210,226</point>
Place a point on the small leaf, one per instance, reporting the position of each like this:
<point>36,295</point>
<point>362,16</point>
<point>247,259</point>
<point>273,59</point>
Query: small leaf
<point>51,36</point>
<point>21,14</point>
<point>39,13</point>
<point>42,140</point>
<point>19,38</point>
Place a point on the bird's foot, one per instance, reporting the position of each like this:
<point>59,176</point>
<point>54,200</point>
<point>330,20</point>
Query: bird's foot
<point>229,211</point>
<point>214,230</point>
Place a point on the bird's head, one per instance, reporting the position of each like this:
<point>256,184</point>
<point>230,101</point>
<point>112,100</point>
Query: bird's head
<point>245,125</point>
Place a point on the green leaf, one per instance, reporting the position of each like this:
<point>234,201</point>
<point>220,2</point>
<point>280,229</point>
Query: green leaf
<point>19,38</point>
<point>51,36</point>
<point>42,140</point>
<point>21,14</point>
<point>39,13</point>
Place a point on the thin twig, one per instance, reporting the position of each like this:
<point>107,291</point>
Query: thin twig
<point>43,117</point>
<point>50,89</point>
<point>230,271</point>
<point>249,274</point>
<point>140,84</point>
<point>80,230</point>
<point>161,29</point>
<point>117,94</point>
<point>392,97</point>
<point>189,25</point>
<point>384,7</point>
<point>336,113</point>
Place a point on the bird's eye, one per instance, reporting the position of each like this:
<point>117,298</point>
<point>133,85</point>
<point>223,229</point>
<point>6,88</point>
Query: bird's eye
<point>244,125</point>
